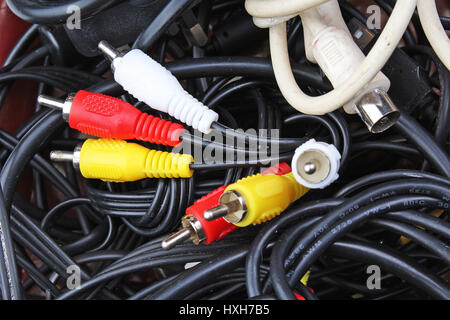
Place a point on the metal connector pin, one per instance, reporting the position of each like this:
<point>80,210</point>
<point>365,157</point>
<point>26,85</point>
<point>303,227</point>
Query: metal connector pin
<point>54,103</point>
<point>67,156</point>
<point>192,228</point>
<point>176,238</point>
<point>316,164</point>
<point>111,53</point>
<point>61,156</point>
<point>50,102</point>
<point>216,212</point>
<point>232,208</point>
<point>108,50</point>
<point>310,167</point>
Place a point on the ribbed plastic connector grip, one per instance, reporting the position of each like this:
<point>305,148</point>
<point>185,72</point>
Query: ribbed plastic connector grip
<point>161,164</point>
<point>156,130</point>
<point>107,117</point>
<point>150,82</point>
<point>119,161</point>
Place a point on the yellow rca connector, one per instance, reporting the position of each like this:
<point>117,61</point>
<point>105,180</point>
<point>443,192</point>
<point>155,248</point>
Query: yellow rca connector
<point>256,199</point>
<point>121,161</point>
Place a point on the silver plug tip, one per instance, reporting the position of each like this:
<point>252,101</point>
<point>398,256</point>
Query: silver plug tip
<point>216,212</point>
<point>67,156</point>
<point>59,104</point>
<point>111,53</point>
<point>232,208</point>
<point>176,238</point>
<point>61,156</point>
<point>50,102</point>
<point>108,50</point>
<point>310,167</point>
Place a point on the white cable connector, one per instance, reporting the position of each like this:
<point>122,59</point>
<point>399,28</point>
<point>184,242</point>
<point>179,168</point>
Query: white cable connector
<point>149,82</point>
<point>363,74</point>
<point>316,164</point>
<point>333,49</point>
<point>339,56</point>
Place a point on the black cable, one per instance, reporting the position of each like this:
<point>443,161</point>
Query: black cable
<point>22,44</point>
<point>351,222</point>
<point>155,29</point>
<point>114,230</point>
<point>385,176</point>
<point>441,132</point>
<point>390,260</point>
<point>264,236</point>
<point>242,66</point>
<point>197,276</point>
<point>11,288</point>
<point>55,12</point>
<point>409,128</point>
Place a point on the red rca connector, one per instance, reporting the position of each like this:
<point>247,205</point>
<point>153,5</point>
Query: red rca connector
<point>198,229</point>
<point>107,117</point>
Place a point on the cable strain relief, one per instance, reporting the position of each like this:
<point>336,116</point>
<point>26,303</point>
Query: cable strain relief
<point>157,130</point>
<point>160,164</point>
<point>192,112</point>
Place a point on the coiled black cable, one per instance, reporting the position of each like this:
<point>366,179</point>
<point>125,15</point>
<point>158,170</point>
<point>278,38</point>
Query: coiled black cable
<point>389,206</point>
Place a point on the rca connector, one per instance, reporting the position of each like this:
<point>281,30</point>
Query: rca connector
<point>121,161</point>
<point>200,230</point>
<point>150,82</point>
<point>256,199</point>
<point>107,117</point>
<point>196,228</point>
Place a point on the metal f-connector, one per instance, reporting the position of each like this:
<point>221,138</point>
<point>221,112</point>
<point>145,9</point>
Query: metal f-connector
<point>377,111</point>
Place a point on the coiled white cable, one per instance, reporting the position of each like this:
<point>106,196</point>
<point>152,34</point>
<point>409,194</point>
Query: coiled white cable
<point>368,69</point>
<point>436,35</point>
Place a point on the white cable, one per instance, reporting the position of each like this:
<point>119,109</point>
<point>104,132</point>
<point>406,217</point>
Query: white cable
<point>372,64</point>
<point>332,47</point>
<point>436,35</point>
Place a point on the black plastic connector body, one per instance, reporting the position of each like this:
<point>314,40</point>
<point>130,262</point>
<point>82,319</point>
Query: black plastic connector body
<point>409,81</point>
<point>236,34</point>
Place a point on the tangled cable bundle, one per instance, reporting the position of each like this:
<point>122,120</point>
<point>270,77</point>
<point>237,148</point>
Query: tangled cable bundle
<point>276,150</point>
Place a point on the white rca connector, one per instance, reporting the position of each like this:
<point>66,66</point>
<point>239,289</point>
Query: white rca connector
<point>149,82</point>
<point>316,164</point>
